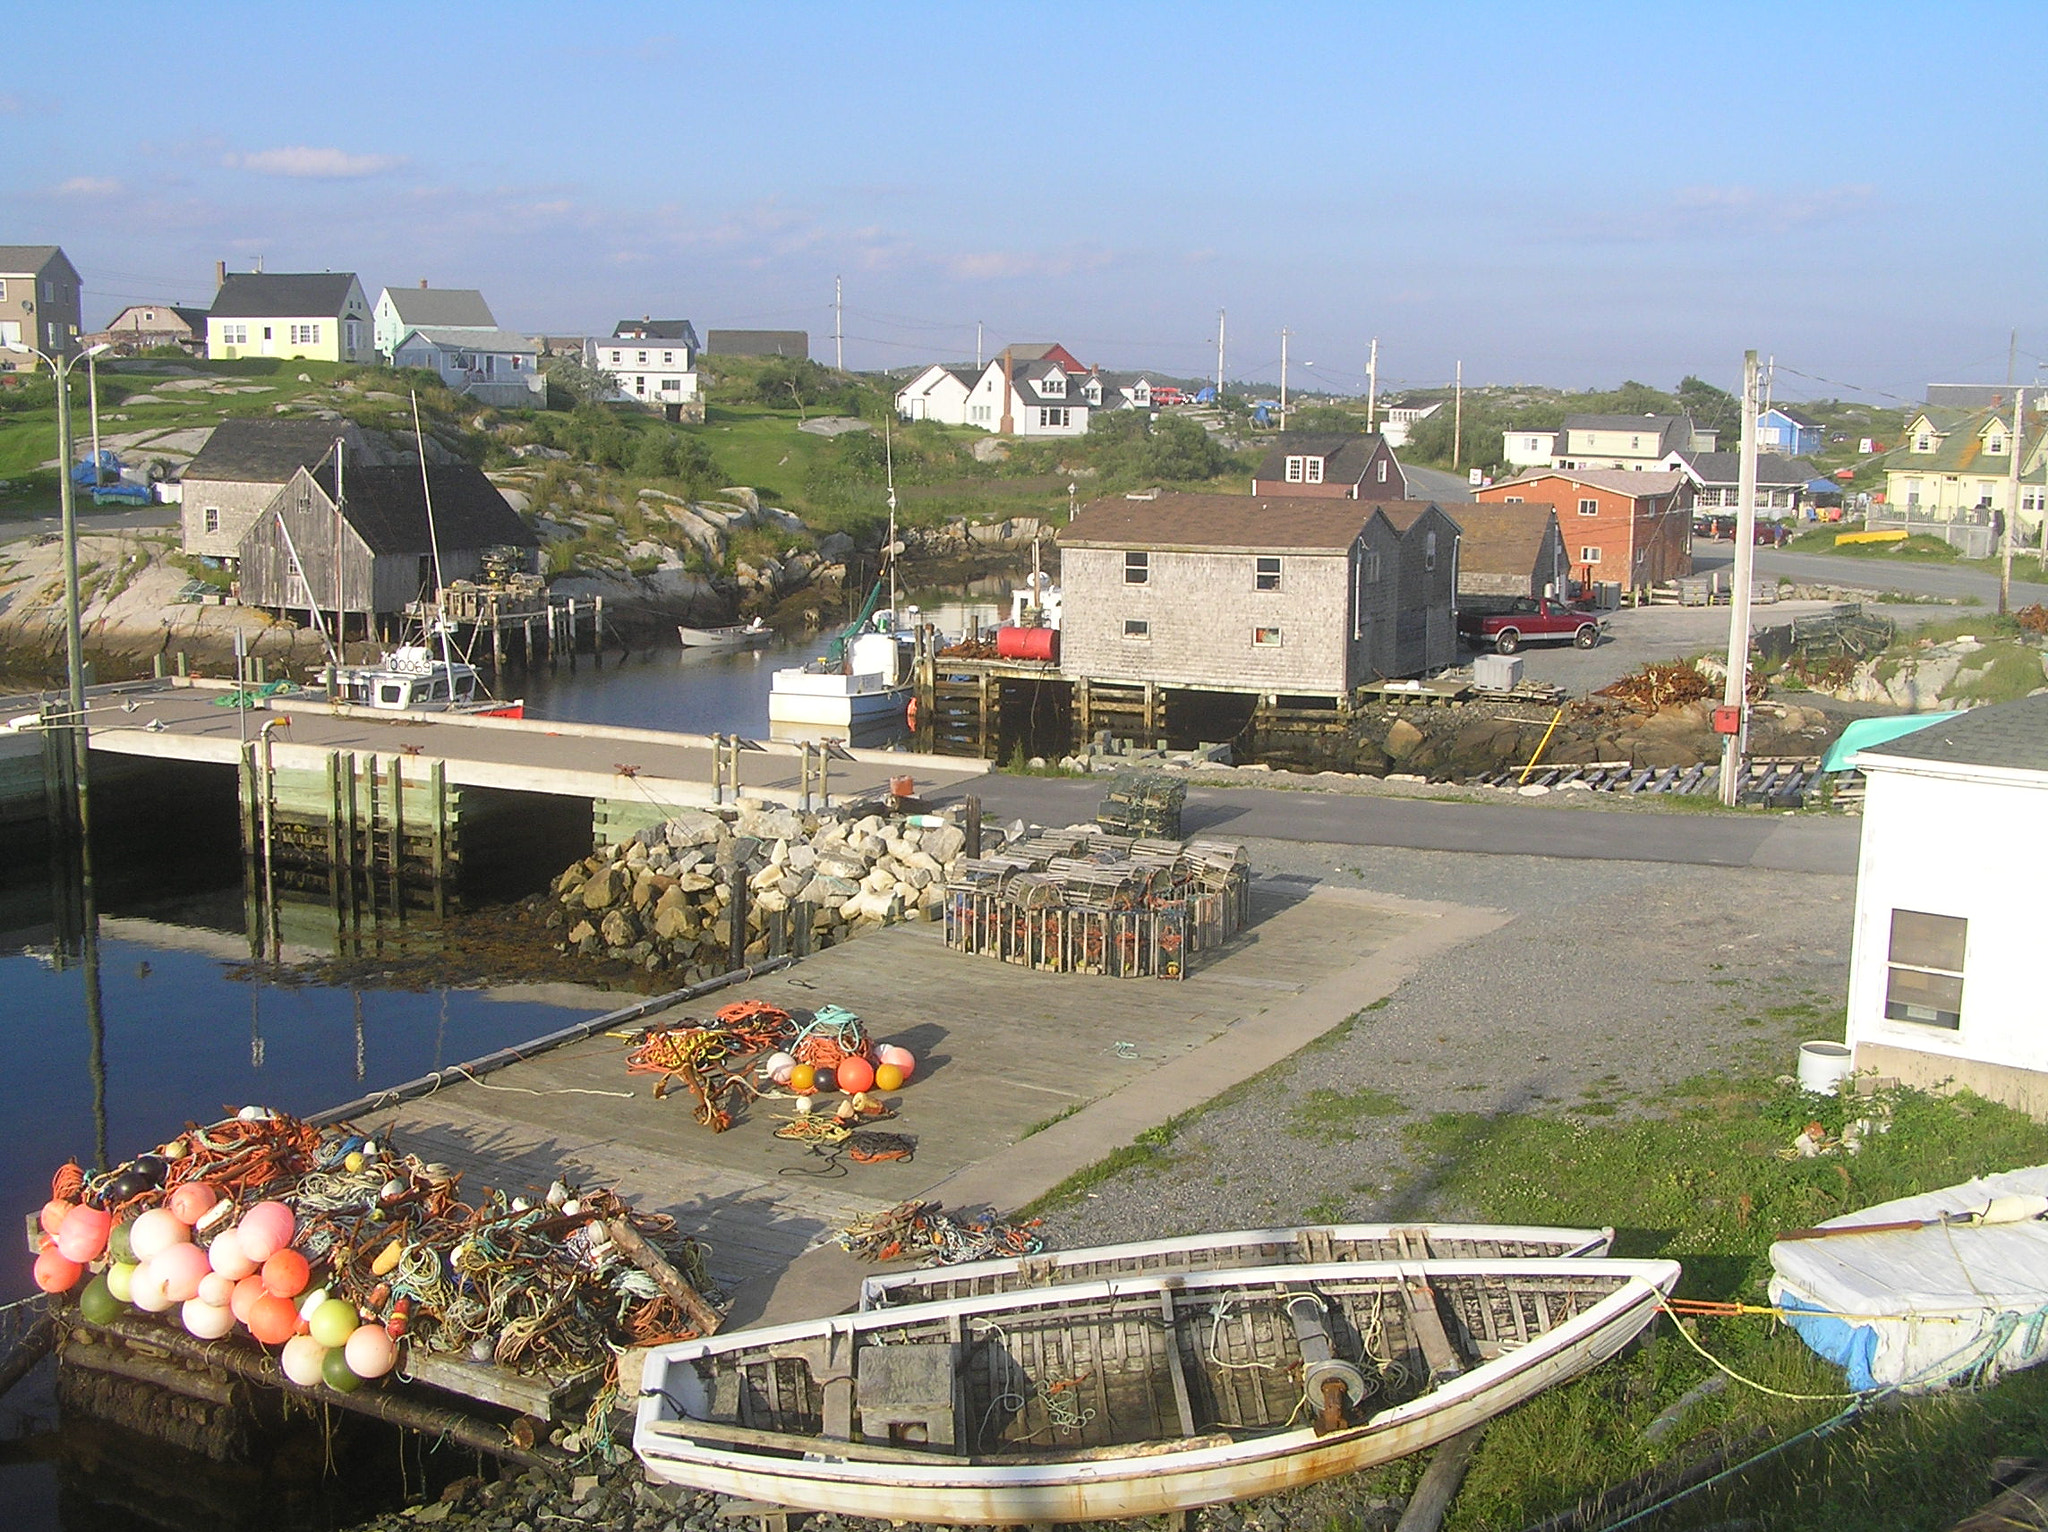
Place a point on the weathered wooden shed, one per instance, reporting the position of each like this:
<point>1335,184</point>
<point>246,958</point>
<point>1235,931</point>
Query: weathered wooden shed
<point>1425,635</point>
<point>1510,551</point>
<point>355,543</point>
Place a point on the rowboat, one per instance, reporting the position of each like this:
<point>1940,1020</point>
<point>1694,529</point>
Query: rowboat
<point>733,636</point>
<point>1317,1244</point>
<point>1129,1396</point>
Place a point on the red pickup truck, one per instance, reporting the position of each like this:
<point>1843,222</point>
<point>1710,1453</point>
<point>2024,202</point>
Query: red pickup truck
<point>1530,620</point>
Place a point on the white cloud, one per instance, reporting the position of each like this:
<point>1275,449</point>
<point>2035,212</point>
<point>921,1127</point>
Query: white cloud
<point>308,163</point>
<point>87,186</point>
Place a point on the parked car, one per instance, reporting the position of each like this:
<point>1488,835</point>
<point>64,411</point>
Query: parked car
<point>1530,620</point>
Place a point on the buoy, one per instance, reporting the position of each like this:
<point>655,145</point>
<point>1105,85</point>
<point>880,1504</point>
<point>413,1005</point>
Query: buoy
<point>119,1247</point>
<point>97,1301</point>
<point>266,1229</point>
<point>216,1290</point>
<point>302,1360</point>
<point>334,1322</point>
<point>247,1291</point>
<point>888,1077</point>
<point>777,1067</point>
<point>188,1203</point>
<point>855,1074</point>
<point>387,1259</point>
<point>401,1317</point>
<point>334,1369</point>
<point>208,1321</point>
<point>803,1079</point>
<point>82,1236</point>
<point>371,1352</point>
<point>286,1273</point>
<point>824,1080</point>
<point>146,1289</point>
<point>156,1231</point>
<point>273,1320</point>
<point>227,1256</point>
<point>353,1162</point>
<point>119,1275</point>
<point>55,1211</point>
<point>902,1058</point>
<point>54,1274</point>
<point>180,1269</point>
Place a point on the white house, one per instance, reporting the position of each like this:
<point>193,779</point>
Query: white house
<point>1944,973</point>
<point>1529,449</point>
<point>492,366</point>
<point>1041,397</point>
<point>1401,419</point>
<point>938,393</point>
<point>656,372</point>
<point>400,309</point>
<point>1638,442</point>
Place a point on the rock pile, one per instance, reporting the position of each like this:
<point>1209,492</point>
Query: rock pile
<point>1923,676</point>
<point>664,899</point>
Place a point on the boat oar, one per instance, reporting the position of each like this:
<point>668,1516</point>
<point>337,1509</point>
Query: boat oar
<point>2000,1210</point>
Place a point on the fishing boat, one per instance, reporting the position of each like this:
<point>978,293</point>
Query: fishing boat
<point>410,679</point>
<point>1924,1292</point>
<point>736,635</point>
<point>1130,1396</point>
<point>1318,1244</point>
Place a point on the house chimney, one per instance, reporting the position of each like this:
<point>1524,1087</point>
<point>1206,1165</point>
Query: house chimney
<point>423,284</point>
<point>1008,425</point>
<point>220,275</point>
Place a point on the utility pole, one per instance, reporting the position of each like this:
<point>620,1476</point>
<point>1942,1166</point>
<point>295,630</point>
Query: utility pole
<point>1372,384</point>
<point>1219,354</point>
<point>1283,379</point>
<point>2012,504</point>
<point>92,394</point>
<point>977,345</point>
<point>2012,357</point>
<point>1735,697</point>
<point>838,338</point>
<point>1458,418</point>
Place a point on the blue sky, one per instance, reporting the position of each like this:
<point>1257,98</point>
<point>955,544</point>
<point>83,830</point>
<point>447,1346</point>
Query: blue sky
<point>1564,194</point>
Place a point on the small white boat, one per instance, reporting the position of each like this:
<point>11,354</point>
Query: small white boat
<point>1316,1244</point>
<point>733,636</point>
<point>411,679</point>
<point>1923,1292</point>
<point>869,687</point>
<point>1132,1396</point>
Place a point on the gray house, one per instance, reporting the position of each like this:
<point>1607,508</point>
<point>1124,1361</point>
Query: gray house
<point>1268,594</point>
<point>357,544</point>
<point>241,468</point>
<point>1508,552</point>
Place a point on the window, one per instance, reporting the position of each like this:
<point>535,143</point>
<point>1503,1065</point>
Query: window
<point>1267,574</point>
<point>303,334</point>
<point>3,289</point>
<point>1372,566</point>
<point>671,385</point>
<point>1053,385</point>
<point>234,335</point>
<point>668,359</point>
<point>1589,507</point>
<point>1382,466</point>
<point>210,518</point>
<point>352,332</point>
<point>1304,470</point>
<point>616,355</point>
<point>49,291</point>
<point>1054,417</point>
<point>1137,567</point>
<point>1429,551</point>
<point>1589,555</point>
<point>1512,500</point>
<point>1137,628</point>
<point>640,384</point>
<point>268,333</point>
<point>642,358</point>
<point>1532,444</point>
<point>1265,638</point>
<point>1995,446</point>
<point>1926,979</point>
<point>1635,444</point>
<point>1923,444</point>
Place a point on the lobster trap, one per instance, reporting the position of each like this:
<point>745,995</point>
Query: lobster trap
<point>1129,910</point>
<point>1142,803</point>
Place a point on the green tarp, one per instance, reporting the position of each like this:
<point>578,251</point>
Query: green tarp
<point>1865,732</point>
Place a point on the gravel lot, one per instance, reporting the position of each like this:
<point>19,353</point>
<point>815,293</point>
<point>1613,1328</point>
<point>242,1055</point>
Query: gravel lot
<point>1613,982</point>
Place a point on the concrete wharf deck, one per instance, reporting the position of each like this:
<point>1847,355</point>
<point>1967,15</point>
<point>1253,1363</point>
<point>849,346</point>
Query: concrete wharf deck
<point>517,754</point>
<point>1024,1078</point>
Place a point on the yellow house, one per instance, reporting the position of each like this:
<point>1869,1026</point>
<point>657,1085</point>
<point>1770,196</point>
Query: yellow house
<point>1957,465</point>
<point>319,316</point>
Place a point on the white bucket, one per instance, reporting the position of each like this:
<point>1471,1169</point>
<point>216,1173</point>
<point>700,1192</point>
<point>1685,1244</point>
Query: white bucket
<point>1823,1067</point>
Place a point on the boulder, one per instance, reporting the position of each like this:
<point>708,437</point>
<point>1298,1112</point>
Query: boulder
<point>582,932</point>
<point>601,890</point>
<point>694,827</point>
<point>672,922</point>
<point>1403,739</point>
<point>619,929</point>
<point>944,843</point>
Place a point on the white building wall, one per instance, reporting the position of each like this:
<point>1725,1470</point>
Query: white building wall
<point>1524,449</point>
<point>1957,846</point>
<point>651,371</point>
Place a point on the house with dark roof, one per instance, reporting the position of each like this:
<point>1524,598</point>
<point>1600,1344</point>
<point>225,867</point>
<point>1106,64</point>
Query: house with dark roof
<point>355,541</point>
<point>140,326</point>
<point>1049,394</point>
<point>400,309</point>
<point>1304,596</point>
<point>1635,442</point>
<point>650,370</point>
<point>1781,482</point>
<point>1944,972</point>
<point>318,316</point>
<point>40,304</point>
<point>938,393</point>
<point>1787,432</point>
<point>233,478</point>
<point>1341,466</point>
<point>649,328</point>
<point>1509,552</point>
<point>795,344</point>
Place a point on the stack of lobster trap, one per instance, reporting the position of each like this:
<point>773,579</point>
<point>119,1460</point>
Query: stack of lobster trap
<point>1087,901</point>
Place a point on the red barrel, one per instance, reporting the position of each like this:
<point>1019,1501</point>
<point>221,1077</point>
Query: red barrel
<point>1027,643</point>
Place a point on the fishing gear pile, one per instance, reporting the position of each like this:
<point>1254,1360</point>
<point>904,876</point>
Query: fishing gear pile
<point>922,1231</point>
<point>342,1251</point>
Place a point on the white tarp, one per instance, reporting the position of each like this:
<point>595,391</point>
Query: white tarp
<point>1919,1308</point>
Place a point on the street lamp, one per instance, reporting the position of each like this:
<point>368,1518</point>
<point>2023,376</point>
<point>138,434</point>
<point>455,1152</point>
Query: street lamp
<point>74,644</point>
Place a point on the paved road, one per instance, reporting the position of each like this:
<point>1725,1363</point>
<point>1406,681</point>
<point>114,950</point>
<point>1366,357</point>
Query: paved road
<point>1881,574</point>
<point>1798,844</point>
<point>91,518</point>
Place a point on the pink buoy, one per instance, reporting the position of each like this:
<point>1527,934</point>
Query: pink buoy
<point>217,1290</point>
<point>371,1352</point>
<point>180,1268</point>
<point>266,1229</point>
<point>156,1231</point>
<point>54,1274</point>
<point>82,1236</point>
<point>227,1256</point>
<point>190,1202</point>
<point>208,1321</point>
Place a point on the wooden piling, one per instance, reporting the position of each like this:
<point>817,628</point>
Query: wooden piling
<point>184,664</point>
<point>334,835</point>
<point>370,838</point>
<point>437,793</point>
<point>348,838</point>
<point>569,613</point>
<point>597,631</point>
<point>398,836</point>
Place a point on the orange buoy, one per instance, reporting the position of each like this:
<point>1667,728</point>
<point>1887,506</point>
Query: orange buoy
<point>286,1273</point>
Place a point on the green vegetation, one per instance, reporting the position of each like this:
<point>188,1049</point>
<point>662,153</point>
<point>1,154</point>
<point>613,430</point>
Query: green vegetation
<point>1333,1116</point>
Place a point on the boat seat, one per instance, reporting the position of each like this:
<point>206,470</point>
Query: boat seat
<point>909,1394</point>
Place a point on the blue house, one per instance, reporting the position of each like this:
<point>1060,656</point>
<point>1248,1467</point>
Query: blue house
<point>1787,431</point>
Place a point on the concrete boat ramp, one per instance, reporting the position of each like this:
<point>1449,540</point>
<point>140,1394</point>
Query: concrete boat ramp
<point>1025,1078</point>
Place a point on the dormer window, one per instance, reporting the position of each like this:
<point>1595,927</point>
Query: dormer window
<point>1995,446</point>
<point>1923,443</point>
<point>1304,470</point>
<point>1054,385</point>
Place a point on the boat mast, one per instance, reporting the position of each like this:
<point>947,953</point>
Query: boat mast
<point>889,463</point>
<point>434,547</point>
